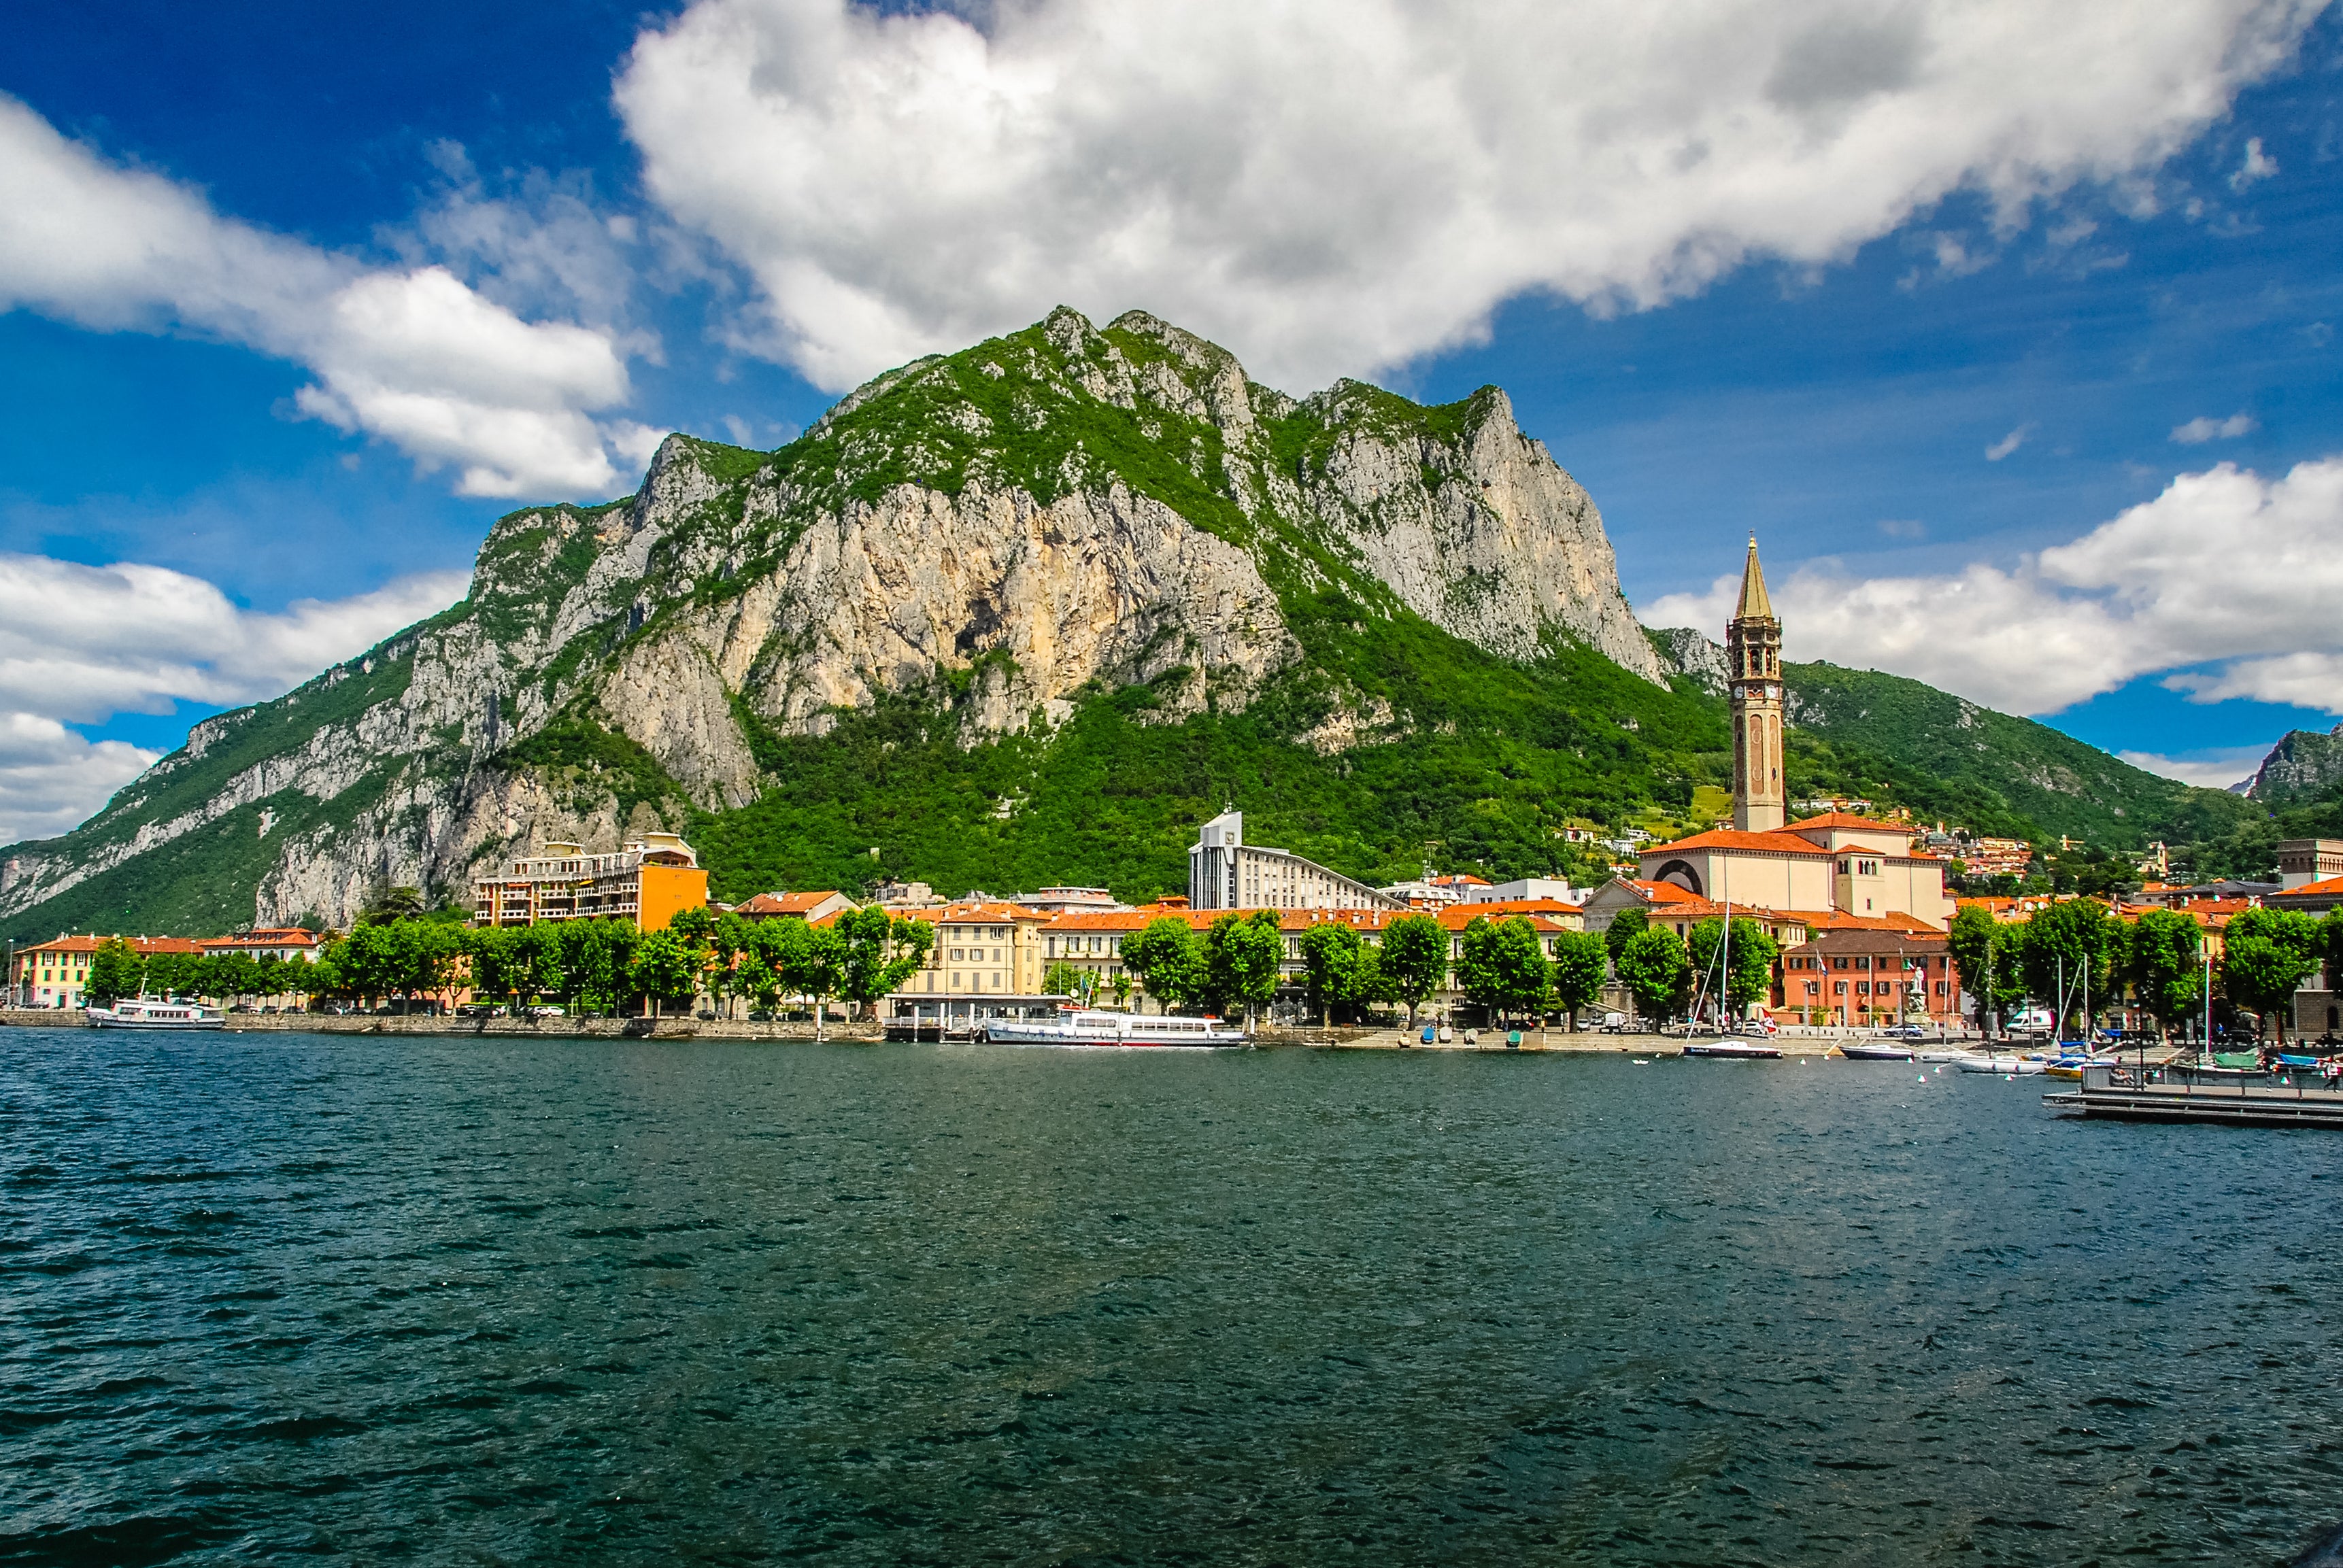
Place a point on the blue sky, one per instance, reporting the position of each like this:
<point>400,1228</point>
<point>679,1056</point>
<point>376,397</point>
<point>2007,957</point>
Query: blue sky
<point>1831,373</point>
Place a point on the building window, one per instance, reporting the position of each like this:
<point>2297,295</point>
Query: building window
<point>1838,988</point>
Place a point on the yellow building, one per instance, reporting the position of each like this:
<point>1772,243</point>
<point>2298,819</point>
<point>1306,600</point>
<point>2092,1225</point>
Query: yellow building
<point>649,882</point>
<point>56,974</point>
<point>990,950</point>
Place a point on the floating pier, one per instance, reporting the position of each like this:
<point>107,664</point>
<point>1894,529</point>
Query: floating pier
<point>2158,1094</point>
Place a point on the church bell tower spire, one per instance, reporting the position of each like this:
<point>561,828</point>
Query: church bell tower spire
<point>1753,657</point>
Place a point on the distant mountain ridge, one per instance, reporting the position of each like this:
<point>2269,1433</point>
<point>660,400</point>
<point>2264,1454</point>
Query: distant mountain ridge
<point>1018,614</point>
<point>2303,765</point>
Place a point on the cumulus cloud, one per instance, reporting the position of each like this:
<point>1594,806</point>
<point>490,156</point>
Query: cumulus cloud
<point>2202,428</point>
<point>2258,166</point>
<point>82,643</point>
<point>1330,188</point>
<point>51,778</point>
<point>412,355</point>
<point>2226,578</point>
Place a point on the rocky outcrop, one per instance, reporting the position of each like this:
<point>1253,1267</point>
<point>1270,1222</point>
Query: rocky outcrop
<point>2303,764</point>
<point>1687,655</point>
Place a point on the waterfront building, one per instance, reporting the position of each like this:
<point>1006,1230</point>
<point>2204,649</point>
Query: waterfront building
<point>282,942</point>
<point>1527,887</point>
<point>649,882</point>
<point>814,905</point>
<point>990,949</point>
<point>1224,872</point>
<point>1059,901</point>
<point>1862,975</point>
<point>57,973</point>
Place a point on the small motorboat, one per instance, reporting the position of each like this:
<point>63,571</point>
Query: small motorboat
<point>1875,1050</point>
<point>2006,1066</point>
<point>1734,1050</point>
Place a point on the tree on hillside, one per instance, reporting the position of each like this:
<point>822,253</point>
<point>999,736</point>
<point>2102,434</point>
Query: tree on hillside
<point>389,904</point>
<point>1413,959</point>
<point>1656,972</point>
<point>1243,955</point>
<point>879,952</point>
<point>1502,966</point>
<point>2264,955</point>
<point>1168,961</point>
<point>1334,967</point>
<point>1581,964</point>
<point>2162,963</point>
<point>116,971</point>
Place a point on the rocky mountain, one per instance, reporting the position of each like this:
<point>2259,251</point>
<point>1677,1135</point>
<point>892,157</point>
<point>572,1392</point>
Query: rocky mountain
<point>2303,765</point>
<point>1063,521</point>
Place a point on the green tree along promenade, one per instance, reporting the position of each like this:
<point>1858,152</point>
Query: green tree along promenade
<point>1581,964</point>
<point>1414,959</point>
<point>1750,960</point>
<point>1657,972</point>
<point>1501,966</point>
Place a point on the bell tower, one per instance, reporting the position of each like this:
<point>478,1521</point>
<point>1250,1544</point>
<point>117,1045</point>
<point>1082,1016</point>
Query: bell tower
<point>1753,658</point>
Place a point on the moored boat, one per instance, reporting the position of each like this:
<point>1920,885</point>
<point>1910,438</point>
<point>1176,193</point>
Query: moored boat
<point>1875,1050</point>
<point>2006,1066</point>
<point>1076,1027</point>
<point>1734,1050</point>
<point>137,1012</point>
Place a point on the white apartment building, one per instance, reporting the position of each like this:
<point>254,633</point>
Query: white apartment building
<point>1224,872</point>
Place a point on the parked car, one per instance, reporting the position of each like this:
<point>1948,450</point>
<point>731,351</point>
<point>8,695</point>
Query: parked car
<point>546,1012</point>
<point>1615,1023</point>
<point>1903,1031</point>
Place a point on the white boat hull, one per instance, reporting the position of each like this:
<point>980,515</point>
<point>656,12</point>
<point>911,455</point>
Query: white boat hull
<point>2006,1066</point>
<point>155,1015</point>
<point>1110,1028</point>
<point>1734,1050</point>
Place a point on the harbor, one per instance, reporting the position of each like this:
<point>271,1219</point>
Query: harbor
<point>2176,1094</point>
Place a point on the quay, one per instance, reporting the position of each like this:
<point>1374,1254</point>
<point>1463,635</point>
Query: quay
<point>2126,1094</point>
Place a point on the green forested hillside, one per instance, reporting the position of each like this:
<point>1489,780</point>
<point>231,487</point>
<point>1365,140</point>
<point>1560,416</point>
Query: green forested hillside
<point>1947,757</point>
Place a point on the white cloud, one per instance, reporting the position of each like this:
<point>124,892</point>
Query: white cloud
<point>51,778</point>
<point>412,355</point>
<point>2204,428</point>
<point>2224,568</point>
<point>2258,166</point>
<point>81,643</point>
<point>2009,443</point>
<point>1333,186</point>
<point>2215,769</point>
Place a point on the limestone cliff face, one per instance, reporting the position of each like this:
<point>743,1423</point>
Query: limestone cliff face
<point>1048,517</point>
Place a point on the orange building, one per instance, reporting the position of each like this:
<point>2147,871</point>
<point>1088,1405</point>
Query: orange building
<point>649,882</point>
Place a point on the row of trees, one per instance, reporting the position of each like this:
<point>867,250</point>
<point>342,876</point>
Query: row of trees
<point>587,965</point>
<point>2157,960</point>
<point>117,969</point>
<point>1237,962</point>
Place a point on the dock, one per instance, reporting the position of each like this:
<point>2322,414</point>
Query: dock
<point>2128,1095</point>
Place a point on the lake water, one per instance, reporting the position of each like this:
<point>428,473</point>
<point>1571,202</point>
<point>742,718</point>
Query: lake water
<point>264,1296</point>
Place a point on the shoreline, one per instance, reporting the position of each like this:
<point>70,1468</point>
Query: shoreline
<point>1791,1041</point>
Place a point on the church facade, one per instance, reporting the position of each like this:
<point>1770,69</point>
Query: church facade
<point>1837,868</point>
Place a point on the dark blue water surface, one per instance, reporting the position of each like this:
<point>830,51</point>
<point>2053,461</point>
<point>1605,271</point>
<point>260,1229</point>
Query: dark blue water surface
<point>264,1296</point>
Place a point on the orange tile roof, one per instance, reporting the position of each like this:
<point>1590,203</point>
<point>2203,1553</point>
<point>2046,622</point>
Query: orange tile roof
<point>1781,842</point>
<point>2332,885</point>
<point>783,903</point>
<point>88,944</point>
<point>1850,820</point>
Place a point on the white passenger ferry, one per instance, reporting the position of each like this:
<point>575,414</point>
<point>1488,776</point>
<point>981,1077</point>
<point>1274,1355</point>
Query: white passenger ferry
<point>1073,1027</point>
<point>137,1012</point>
